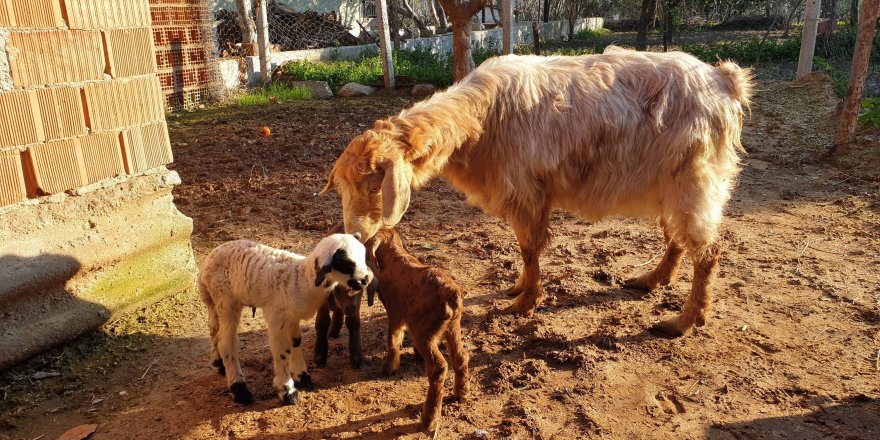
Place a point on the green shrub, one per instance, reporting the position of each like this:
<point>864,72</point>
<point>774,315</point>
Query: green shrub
<point>839,78</point>
<point>281,92</point>
<point>870,112</point>
<point>749,51</point>
<point>585,34</point>
<point>421,64</point>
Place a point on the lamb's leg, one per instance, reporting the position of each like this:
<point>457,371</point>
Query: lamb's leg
<point>322,326</point>
<point>395,338</point>
<point>282,351</point>
<point>213,328</point>
<point>336,325</point>
<point>227,346</point>
<point>533,233</point>
<point>666,271</point>
<point>353,324</point>
<point>297,366</point>
<point>460,358</point>
<point>435,368</point>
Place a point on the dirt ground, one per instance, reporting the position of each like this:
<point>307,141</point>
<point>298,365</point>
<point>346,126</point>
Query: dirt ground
<point>792,349</point>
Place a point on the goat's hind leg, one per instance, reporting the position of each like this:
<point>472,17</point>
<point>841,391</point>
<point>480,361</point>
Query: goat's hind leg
<point>666,271</point>
<point>460,358</point>
<point>533,233</point>
<point>435,368</point>
<point>213,329</point>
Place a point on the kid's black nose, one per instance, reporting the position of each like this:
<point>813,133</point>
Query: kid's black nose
<point>354,284</point>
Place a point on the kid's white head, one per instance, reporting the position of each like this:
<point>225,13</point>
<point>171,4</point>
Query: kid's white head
<point>341,259</point>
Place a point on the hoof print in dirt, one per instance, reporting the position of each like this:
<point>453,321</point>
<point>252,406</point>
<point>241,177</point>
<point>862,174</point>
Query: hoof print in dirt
<point>290,397</point>
<point>240,393</point>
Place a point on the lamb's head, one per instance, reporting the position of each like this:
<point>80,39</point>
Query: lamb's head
<point>341,259</point>
<point>374,178</point>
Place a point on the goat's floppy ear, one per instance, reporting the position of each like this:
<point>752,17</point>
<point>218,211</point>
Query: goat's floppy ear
<point>338,228</point>
<point>331,183</point>
<point>395,192</point>
<point>320,273</point>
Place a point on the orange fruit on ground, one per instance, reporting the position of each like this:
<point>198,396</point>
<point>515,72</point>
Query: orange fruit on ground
<point>266,132</point>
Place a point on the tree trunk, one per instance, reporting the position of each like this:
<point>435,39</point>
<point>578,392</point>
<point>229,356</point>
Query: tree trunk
<point>645,17</point>
<point>404,8</point>
<point>536,37</point>
<point>854,12</point>
<point>441,16</point>
<point>861,56</point>
<point>247,26</point>
<point>546,11</point>
<point>461,12</point>
<point>432,10</point>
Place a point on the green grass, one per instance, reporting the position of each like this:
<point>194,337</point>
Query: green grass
<point>421,64</point>
<point>586,34</point>
<point>278,91</point>
<point>870,112</point>
<point>748,51</point>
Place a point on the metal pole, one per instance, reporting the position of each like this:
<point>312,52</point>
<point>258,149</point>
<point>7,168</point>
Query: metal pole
<point>507,24</point>
<point>263,40</point>
<point>808,39</point>
<point>385,43</point>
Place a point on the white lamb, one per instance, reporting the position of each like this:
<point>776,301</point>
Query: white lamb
<point>287,287</point>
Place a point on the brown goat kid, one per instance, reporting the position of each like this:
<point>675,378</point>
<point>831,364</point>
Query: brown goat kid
<point>653,135</point>
<point>427,301</point>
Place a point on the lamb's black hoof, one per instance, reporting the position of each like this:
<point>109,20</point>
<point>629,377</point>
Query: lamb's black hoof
<point>218,364</point>
<point>240,393</point>
<point>304,381</point>
<point>290,397</point>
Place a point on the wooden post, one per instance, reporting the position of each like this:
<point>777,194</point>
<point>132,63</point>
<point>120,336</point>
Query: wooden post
<point>385,43</point>
<point>507,25</point>
<point>808,39</point>
<point>861,55</point>
<point>263,40</point>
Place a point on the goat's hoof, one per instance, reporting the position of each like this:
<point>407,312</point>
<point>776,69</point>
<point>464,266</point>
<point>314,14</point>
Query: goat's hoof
<point>669,328</point>
<point>240,393</point>
<point>513,292</point>
<point>289,397</point>
<point>356,362</point>
<point>218,364</point>
<point>333,335</point>
<point>305,381</point>
<point>519,308</point>
<point>430,423</point>
<point>640,283</point>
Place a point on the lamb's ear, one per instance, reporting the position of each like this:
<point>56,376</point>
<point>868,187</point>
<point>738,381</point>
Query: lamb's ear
<point>395,192</point>
<point>320,273</point>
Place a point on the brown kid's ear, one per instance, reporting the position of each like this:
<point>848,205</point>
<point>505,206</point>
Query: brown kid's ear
<point>373,287</point>
<point>395,192</point>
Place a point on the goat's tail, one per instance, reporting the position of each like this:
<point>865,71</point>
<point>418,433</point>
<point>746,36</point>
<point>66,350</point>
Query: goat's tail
<point>740,82</point>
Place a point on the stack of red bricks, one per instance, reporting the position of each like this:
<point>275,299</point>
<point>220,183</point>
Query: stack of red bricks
<point>184,51</point>
<point>81,100</point>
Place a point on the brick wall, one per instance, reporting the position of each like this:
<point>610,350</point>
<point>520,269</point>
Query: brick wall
<point>185,55</point>
<point>80,95</point>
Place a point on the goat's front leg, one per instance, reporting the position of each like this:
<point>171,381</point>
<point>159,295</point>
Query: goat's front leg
<point>322,326</point>
<point>353,324</point>
<point>533,233</point>
<point>297,363</point>
<point>282,352</point>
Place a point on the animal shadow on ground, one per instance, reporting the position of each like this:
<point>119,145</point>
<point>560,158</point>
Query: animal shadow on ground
<point>856,418</point>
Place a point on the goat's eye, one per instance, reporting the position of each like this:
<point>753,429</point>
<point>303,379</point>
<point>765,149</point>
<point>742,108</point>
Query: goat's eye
<point>375,190</point>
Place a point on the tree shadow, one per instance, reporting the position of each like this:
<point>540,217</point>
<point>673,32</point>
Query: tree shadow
<point>854,418</point>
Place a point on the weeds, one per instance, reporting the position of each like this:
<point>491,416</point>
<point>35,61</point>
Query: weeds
<point>277,91</point>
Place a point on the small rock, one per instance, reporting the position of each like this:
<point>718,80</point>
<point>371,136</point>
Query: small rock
<point>355,89</point>
<point>57,198</point>
<point>319,89</point>
<point>423,89</point>
<point>44,375</point>
<point>481,433</point>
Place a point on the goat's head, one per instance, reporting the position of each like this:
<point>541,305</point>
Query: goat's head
<point>373,178</point>
<point>340,259</point>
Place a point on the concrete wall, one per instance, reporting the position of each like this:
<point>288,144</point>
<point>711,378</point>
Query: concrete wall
<point>442,44</point>
<point>85,200</point>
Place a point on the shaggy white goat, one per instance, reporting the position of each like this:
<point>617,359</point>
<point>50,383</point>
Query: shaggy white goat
<point>288,287</point>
